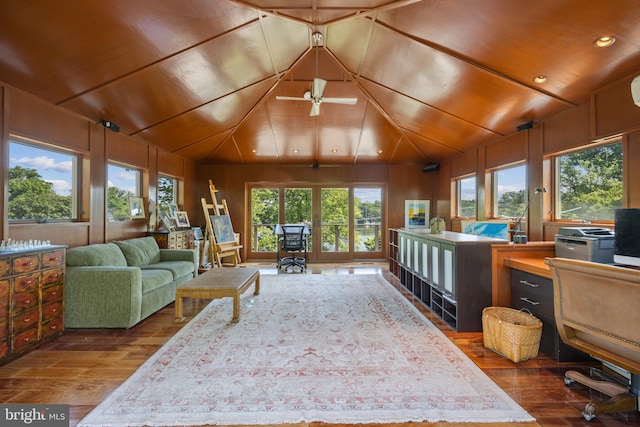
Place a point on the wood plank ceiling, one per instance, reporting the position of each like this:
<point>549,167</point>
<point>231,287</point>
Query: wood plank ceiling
<point>433,78</point>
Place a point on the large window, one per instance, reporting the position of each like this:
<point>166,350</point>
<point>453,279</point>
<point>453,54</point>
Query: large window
<point>124,181</point>
<point>265,211</point>
<point>367,219</point>
<point>466,197</point>
<point>589,183</point>
<point>43,183</point>
<point>509,191</point>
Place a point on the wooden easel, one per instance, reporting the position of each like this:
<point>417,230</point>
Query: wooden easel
<point>222,241</point>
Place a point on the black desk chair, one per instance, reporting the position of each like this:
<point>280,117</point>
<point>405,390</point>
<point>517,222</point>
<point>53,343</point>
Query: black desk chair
<point>294,243</point>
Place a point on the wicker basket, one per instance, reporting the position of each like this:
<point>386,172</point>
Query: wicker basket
<point>512,333</point>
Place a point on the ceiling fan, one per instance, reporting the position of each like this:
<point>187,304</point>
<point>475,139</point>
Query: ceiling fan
<point>317,89</point>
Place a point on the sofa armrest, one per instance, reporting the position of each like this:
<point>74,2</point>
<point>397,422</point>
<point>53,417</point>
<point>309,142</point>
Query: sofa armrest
<point>102,297</point>
<point>190,255</point>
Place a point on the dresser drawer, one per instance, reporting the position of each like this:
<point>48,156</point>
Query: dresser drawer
<point>53,259</point>
<point>25,339</point>
<point>26,283</point>
<point>52,277</point>
<point>51,294</point>
<point>25,301</point>
<point>25,264</point>
<point>5,347</point>
<point>26,320</point>
<point>52,327</point>
<point>4,289</point>
<point>4,327</point>
<point>51,311</point>
<point>5,267</point>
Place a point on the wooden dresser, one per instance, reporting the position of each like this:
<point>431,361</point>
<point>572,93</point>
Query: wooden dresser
<point>31,298</point>
<point>178,239</point>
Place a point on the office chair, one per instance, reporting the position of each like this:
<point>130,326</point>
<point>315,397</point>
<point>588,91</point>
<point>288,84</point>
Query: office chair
<point>293,243</point>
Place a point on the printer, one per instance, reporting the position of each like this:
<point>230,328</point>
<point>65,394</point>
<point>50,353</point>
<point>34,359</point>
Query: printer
<point>585,243</point>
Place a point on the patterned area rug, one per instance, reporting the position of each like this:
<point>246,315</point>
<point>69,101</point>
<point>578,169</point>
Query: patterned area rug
<point>329,348</point>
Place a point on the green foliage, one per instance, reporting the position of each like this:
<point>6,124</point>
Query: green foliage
<point>118,203</point>
<point>335,219</point>
<point>511,204</point>
<point>32,198</point>
<point>166,191</point>
<point>297,205</point>
<point>264,216</point>
<point>591,183</point>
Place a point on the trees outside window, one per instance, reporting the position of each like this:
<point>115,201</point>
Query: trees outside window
<point>466,197</point>
<point>167,191</point>
<point>509,191</point>
<point>42,183</point>
<point>123,182</point>
<point>589,183</point>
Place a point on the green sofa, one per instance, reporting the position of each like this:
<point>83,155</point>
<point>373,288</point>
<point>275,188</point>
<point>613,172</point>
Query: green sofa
<point>117,284</point>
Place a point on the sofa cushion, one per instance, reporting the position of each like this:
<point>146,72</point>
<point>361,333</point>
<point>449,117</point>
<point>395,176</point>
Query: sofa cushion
<point>140,251</point>
<point>154,279</point>
<point>100,254</point>
<point>177,268</point>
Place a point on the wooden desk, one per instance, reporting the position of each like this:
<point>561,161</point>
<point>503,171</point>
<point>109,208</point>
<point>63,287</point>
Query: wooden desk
<point>219,283</point>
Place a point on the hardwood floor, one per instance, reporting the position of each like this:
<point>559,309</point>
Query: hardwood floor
<point>82,367</point>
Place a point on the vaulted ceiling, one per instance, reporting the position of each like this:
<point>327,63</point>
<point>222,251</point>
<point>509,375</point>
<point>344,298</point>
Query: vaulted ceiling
<point>433,78</point>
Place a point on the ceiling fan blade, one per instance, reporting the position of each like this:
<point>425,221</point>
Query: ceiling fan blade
<point>315,109</point>
<point>291,98</point>
<point>348,101</point>
<point>317,89</point>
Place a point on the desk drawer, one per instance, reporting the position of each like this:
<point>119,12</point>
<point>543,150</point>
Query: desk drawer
<point>532,292</point>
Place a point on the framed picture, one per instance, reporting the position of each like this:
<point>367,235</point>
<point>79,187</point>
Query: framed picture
<point>222,229</point>
<point>182,219</point>
<point>167,222</point>
<point>416,213</point>
<point>173,210</point>
<point>136,207</point>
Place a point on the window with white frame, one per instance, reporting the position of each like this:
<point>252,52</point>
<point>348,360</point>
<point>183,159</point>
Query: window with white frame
<point>43,182</point>
<point>123,181</point>
<point>509,191</point>
<point>466,197</point>
<point>589,183</point>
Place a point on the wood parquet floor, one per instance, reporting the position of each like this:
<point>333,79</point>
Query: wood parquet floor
<point>83,366</point>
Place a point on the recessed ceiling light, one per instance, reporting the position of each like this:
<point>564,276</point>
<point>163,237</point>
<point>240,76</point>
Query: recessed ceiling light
<point>540,79</point>
<point>295,151</point>
<point>380,151</point>
<point>334,150</point>
<point>253,150</point>
<point>604,41</point>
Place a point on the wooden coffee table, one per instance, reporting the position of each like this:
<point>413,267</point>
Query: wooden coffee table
<point>220,282</point>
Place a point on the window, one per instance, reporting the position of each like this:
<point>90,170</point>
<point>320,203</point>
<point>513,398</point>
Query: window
<point>167,191</point>
<point>265,210</point>
<point>589,183</point>
<point>367,219</point>
<point>509,191</point>
<point>466,197</point>
<point>123,182</point>
<point>43,183</point>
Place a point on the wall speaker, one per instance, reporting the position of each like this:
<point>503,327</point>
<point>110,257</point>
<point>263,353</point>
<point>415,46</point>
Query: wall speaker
<point>525,126</point>
<point>110,125</point>
<point>431,168</point>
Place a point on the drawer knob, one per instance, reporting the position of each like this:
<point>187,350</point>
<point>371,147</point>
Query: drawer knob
<point>533,285</point>
<point>527,300</point>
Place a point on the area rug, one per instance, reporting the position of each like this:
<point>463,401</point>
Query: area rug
<point>329,348</point>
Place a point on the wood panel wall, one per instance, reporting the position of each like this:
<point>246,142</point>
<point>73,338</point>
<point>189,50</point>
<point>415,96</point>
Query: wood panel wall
<point>25,116</point>
<point>610,113</point>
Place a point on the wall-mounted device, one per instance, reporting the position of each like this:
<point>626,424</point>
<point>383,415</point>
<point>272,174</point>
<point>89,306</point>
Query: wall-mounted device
<point>635,90</point>
<point>110,125</point>
<point>431,167</point>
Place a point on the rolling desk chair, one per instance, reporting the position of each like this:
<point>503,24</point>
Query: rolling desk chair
<point>294,243</point>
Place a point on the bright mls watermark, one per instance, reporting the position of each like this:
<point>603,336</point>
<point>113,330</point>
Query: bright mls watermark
<point>34,415</point>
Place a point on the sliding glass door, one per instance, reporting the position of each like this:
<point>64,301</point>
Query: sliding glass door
<point>346,222</point>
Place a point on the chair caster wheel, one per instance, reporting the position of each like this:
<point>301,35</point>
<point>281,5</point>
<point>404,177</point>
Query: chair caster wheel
<point>587,416</point>
<point>568,381</point>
